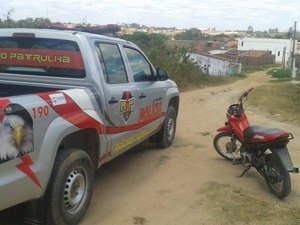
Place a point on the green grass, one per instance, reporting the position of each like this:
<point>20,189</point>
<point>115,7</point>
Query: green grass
<point>280,73</point>
<point>197,80</point>
<point>253,69</point>
<point>278,98</point>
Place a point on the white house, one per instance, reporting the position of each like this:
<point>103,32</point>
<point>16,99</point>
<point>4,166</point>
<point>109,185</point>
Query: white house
<point>281,48</point>
<point>215,65</point>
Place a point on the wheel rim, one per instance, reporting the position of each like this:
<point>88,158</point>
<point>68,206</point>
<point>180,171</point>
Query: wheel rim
<point>229,148</point>
<point>170,129</point>
<point>76,190</point>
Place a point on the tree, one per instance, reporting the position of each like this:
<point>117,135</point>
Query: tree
<point>154,45</point>
<point>289,34</point>
<point>8,22</point>
<point>24,23</point>
<point>250,29</point>
<point>191,34</point>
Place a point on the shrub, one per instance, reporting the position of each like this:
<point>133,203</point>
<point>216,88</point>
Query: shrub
<point>280,73</point>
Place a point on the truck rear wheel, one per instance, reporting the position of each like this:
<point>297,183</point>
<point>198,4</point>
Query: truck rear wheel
<point>70,188</point>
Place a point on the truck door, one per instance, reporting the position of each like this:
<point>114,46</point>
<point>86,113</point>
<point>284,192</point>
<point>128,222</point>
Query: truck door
<point>120,96</point>
<point>151,93</point>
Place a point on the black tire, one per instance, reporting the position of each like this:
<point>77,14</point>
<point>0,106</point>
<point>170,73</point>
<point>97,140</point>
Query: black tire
<point>227,146</point>
<point>70,188</point>
<point>165,136</point>
<point>279,181</point>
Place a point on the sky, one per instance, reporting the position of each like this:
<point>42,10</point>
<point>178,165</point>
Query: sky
<point>202,14</point>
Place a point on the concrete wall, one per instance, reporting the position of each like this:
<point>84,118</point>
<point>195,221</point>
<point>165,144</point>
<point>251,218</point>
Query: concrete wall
<point>276,46</point>
<point>214,66</point>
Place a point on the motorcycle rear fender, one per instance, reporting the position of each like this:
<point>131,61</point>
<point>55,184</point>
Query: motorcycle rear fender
<point>283,155</point>
<point>224,129</point>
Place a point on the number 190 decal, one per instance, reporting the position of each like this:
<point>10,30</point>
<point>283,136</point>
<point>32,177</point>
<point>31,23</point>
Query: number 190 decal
<point>40,111</point>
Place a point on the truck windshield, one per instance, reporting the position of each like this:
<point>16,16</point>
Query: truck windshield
<point>41,57</point>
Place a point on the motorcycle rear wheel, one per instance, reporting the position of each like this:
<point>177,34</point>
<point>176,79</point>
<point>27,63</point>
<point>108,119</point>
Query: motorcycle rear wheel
<point>227,146</point>
<point>279,181</point>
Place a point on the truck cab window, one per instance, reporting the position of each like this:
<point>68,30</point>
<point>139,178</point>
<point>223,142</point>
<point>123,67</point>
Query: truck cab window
<point>112,63</point>
<point>140,68</point>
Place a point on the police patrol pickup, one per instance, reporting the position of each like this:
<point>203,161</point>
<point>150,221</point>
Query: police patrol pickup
<point>71,101</point>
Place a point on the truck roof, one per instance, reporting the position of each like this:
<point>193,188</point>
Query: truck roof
<point>52,33</point>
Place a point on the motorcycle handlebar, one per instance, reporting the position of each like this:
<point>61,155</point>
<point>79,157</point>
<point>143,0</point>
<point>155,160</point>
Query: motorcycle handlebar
<point>245,94</point>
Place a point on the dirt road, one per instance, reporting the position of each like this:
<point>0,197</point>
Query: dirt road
<point>163,187</point>
<point>171,187</point>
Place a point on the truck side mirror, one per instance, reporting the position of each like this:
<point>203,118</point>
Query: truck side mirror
<point>162,74</point>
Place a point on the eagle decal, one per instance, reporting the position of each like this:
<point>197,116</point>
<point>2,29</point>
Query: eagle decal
<point>16,134</point>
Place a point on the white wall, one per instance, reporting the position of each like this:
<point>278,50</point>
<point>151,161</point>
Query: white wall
<point>215,67</point>
<point>276,46</point>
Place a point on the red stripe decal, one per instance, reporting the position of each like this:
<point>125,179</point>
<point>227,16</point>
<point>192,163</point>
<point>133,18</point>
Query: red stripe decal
<point>25,168</point>
<point>71,112</point>
<point>3,103</point>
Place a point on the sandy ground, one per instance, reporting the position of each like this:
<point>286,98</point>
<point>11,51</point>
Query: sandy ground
<point>161,187</point>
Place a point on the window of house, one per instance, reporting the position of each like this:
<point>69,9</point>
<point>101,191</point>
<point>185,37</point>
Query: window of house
<point>141,69</point>
<point>278,53</point>
<point>242,44</point>
<point>112,63</point>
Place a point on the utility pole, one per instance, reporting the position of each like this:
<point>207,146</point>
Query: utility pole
<point>293,52</point>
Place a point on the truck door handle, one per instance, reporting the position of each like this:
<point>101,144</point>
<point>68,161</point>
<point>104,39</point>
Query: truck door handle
<point>142,95</point>
<point>113,100</point>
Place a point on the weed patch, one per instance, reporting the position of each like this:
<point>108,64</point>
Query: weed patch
<point>206,133</point>
<point>253,69</point>
<point>278,98</point>
<point>162,160</point>
<point>138,220</point>
<point>280,73</point>
<point>235,206</point>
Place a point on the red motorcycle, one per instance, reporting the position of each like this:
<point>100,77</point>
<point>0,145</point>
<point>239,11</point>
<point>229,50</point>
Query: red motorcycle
<point>255,146</point>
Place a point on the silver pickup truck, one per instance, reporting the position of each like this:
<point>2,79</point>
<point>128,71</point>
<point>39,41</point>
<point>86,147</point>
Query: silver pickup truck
<point>71,101</point>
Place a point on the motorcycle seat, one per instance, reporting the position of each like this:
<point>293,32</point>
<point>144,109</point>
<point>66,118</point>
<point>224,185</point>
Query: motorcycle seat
<point>257,134</point>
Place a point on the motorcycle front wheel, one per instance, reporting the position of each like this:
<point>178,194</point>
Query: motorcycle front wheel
<point>227,146</point>
<point>278,178</point>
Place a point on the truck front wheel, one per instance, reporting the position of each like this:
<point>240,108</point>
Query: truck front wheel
<point>70,188</point>
<point>167,133</point>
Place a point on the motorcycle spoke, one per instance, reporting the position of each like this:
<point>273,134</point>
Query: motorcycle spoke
<point>275,178</point>
<point>228,148</point>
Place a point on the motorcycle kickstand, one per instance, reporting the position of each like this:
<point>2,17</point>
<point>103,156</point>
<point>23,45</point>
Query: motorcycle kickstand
<point>245,171</point>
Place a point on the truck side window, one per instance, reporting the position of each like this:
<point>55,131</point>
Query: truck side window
<point>112,63</point>
<point>140,67</point>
